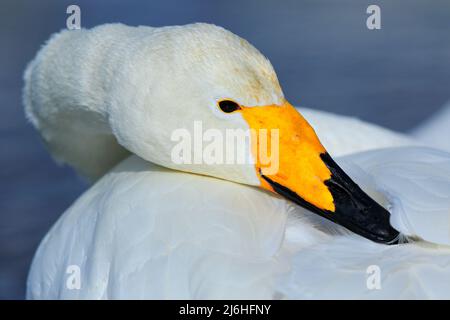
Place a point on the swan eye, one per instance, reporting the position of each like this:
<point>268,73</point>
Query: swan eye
<point>228,106</point>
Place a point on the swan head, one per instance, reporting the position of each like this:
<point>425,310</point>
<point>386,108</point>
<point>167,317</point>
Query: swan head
<point>200,99</point>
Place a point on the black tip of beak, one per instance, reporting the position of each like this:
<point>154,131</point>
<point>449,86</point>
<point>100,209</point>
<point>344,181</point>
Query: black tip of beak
<point>354,209</point>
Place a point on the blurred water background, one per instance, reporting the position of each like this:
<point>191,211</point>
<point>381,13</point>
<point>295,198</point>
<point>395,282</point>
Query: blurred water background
<point>323,53</point>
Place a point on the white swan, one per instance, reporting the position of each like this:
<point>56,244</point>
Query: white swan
<point>432,130</point>
<point>143,231</point>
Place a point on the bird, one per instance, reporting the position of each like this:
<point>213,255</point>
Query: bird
<point>430,131</point>
<point>157,224</point>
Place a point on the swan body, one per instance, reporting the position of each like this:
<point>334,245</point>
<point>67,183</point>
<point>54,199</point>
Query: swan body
<point>432,130</point>
<point>133,229</point>
<point>106,101</point>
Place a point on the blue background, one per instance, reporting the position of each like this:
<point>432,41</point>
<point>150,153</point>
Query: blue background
<point>323,53</point>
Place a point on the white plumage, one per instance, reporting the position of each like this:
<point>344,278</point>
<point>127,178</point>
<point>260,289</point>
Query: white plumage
<point>432,131</point>
<point>144,231</point>
<point>86,90</point>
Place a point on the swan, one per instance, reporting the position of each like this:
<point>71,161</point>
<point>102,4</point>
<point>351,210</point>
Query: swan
<point>107,101</point>
<point>430,131</point>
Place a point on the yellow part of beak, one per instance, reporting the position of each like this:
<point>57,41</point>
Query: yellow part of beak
<point>298,166</point>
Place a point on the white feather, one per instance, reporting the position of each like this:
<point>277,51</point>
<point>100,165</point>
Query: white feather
<point>142,231</point>
<point>147,232</point>
<point>416,184</point>
<point>435,131</point>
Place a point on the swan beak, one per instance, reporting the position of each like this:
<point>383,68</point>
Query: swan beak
<point>291,161</point>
